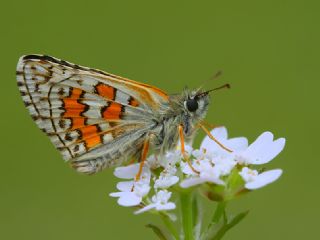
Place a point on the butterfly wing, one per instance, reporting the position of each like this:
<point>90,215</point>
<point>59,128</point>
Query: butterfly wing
<point>95,119</point>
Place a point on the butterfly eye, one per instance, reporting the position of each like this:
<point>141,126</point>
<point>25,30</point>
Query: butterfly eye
<point>191,104</point>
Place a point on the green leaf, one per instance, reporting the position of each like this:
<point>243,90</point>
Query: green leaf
<point>238,218</point>
<point>157,231</point>
<point>169,224</point>
<point>226,227</point>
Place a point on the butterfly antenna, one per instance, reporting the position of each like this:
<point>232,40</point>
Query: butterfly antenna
<point>213,77</point>
<point>216,75</point>
<point>227,85</point>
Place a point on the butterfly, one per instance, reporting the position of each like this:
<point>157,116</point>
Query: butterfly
<point>98,120</point>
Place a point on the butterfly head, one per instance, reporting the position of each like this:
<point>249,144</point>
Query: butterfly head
<point>196,102</point>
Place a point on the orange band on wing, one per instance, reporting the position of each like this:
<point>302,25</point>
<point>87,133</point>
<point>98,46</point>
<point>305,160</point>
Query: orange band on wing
<point>71,105</point>
<point>113,111</point>
<point>78,122</point>
<point>90,134</point>
<point>93,141</point>
<point>75,93</point>
<point>105,91</point>
<point>88,131</point>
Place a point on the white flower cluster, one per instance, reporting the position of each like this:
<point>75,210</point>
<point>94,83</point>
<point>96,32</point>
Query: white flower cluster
<point>211,165</point>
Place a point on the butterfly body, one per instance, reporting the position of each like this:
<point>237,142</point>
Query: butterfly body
<point>98,120</point>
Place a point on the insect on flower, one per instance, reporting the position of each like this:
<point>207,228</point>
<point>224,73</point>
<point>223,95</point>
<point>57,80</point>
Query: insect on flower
<point>98,120</point>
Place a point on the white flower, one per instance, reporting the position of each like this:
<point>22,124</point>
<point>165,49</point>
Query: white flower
<point>221,134</point>
<point>173,157</point>
<point>169,159</point>
<point>167,178</point>
<point>204,163</point>
<point>199,154</point>
<point>153,162</point>
<point>159,202</point>
<point>223,164</point>
<point>209,164</point>
<point>254,180</point>
<point>207,173</point>
<point>132,192</point>
<point>262,150</point>
<point>129,172</point>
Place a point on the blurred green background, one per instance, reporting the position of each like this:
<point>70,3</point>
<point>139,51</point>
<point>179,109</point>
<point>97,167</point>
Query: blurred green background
<point>268,51</point>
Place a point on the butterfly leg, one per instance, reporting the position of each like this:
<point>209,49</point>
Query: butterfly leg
<point>183,151</point>
<point>213,138</point>
<point>209,125</point>
<point>144,153</point>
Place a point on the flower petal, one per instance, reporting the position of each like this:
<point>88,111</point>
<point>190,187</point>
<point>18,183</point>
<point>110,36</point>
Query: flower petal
<point>171,158</point>
<point>115,194</point>
<point>186,169</point>
<point>127,172</point>
<point>190,182</point>
<point>220,134</point>
<point>235,144</point>
<point>262,150</point>
<point>166,181</point>
<point>261,141</point>
<point>264,179</point>
<point>129,199</point>
<point>248,175</point>
<point>198,154</point>
<point>272,151</point>
<point>125,186</point>
<point>146,208</point>
<point>188,148</point>
<point>238,144</point>
<point>167,206</point>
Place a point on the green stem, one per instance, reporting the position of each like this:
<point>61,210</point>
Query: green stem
<point>168,223</point>
<point>186,215</point>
